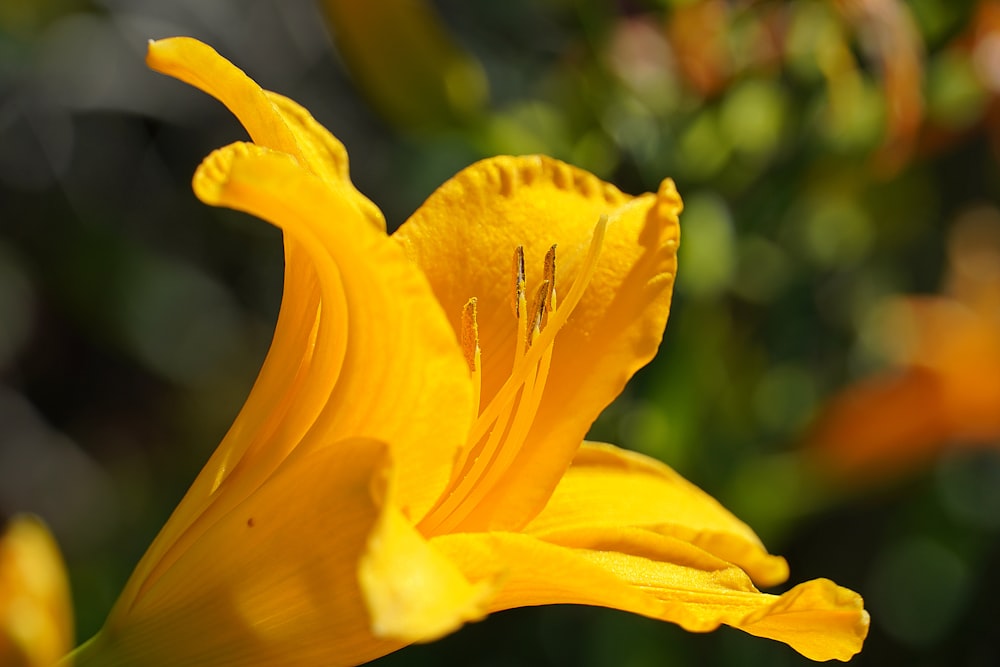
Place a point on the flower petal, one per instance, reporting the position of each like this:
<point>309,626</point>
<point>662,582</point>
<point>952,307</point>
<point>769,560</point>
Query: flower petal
<point>669,580</point>
<point>285,393</point>
<point>273,121</point>
<point>274,582</point>
<point>403,379</point>
<point>413,593</point>
<point>607,489</point>
<point>463,238</point>
<point>374,357</point>
<point>289,393</point>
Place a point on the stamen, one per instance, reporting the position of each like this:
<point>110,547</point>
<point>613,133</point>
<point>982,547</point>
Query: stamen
<point>498,435</point>
<point>470,346</point>
<point>517,271</point>
<point>556,322</point>
<point>497,455</point>
<point>447,512</point>
<point>538,311</point>
<point>519,303</point>
<point>550,277</point>
<point>470,334</point>
<point>531,398</point>
<point>583,278</point>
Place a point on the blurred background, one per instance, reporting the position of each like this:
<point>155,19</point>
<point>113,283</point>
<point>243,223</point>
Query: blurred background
<point>831,369</point>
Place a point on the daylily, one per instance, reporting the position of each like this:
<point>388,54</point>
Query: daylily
<point>410,456</point>
<point>36,619</point>
<point>945,388</point>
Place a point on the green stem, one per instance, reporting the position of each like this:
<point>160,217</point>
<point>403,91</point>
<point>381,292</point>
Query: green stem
<point>74,657</point>
<point>94,652</point>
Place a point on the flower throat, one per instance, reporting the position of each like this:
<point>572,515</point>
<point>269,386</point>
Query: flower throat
<point>499,432</point>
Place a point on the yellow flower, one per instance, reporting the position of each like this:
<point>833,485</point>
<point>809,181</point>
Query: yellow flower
<point>410,457</point>
<point>36,619</point>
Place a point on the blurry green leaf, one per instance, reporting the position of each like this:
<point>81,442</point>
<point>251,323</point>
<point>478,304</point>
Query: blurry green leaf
<point>704,147</point>
<point>645,427</point>
<point>785,398</point>
<point>918,590</point>
<point>937,18</point>
<point>529,127</point>
<point>853,118</point>
<point>753,116</point>
<point>833,230</point>
<point>633,128</point>
<point>763,269</point>
<point>769,492</point>
<point>177,320</point>
<point>595,153</point>
<point>402,56</point>
<point>955,97</point>
<point>813,28</point>
<point>969,485</point>
<point>708,253</point>
<point>23,17</point>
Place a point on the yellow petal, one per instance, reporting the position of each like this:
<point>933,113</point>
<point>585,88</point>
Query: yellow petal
<point>36,618</point>
<point>273,121</point>
<point>289,392</point>
<point>273,582</point>
<point>607,489</point>
<point>818,618</point>
<point>463,238</point>
<point>324,155</point>
<point>375,357</point>
<point>413,593</point>
<point>673,581</point>
<point>403,379</point>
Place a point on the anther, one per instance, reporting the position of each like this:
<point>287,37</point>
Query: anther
<point>518,274</point>
<point>550,277</point>
<point>498,436</point>
<point>470,334</point>
<point>538,310</point>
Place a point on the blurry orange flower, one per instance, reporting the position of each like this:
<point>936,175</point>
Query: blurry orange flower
<point>945,389</point>
<point>36,619</point>
<point>410,457</point>
<point>697,32</point>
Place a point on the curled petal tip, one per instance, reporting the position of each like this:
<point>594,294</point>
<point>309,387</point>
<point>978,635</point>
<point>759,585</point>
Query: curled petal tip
<point>668,199</point>
<point>158,51</point>
<point>668,190</point>
<point>818,618</point>
<point>214,173</point>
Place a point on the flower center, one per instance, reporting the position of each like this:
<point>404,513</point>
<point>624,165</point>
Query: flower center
<point>499,432</point>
